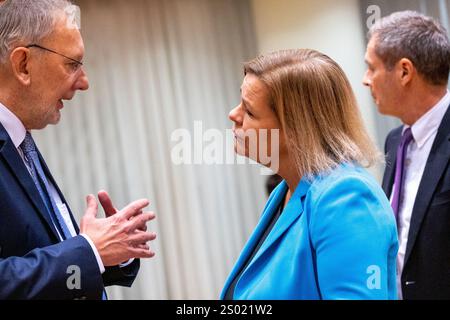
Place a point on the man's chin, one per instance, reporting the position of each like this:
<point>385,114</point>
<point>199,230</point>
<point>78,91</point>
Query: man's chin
<point>380,108</point>
<point>383,111</point>
<point>55,119</point>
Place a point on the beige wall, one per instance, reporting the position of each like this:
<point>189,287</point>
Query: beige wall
<point>333,27</point>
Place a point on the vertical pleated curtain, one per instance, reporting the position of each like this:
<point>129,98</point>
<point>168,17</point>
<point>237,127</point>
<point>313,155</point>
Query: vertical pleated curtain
<point>155,66</point>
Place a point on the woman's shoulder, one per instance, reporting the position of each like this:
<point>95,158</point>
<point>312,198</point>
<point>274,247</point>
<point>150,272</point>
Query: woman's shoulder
<point>349,193</point>
<point>348,181</point>
<point>345,175</point>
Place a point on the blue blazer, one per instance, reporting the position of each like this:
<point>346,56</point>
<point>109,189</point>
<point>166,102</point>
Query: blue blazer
<point>336,239</point>
<point>34,264</point>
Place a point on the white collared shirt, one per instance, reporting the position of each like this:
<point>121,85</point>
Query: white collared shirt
<point>424,132</point>
<point>17,132</point>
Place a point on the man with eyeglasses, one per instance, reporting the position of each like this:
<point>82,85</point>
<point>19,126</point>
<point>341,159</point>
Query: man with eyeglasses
<point>43,253</point>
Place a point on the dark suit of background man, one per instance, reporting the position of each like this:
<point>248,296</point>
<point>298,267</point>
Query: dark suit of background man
<point>41,246</point>
<point>408,58</point>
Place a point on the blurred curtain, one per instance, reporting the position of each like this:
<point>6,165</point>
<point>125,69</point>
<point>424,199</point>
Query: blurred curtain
<point>439,9</point>
<point>155,66</point>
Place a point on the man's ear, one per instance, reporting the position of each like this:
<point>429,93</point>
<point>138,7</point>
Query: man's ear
<point>405,70</point>
<point>19,59</point>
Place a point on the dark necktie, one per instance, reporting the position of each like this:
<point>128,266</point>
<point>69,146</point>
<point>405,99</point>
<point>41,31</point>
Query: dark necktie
<point>40,180</point>
<point>400,171</point>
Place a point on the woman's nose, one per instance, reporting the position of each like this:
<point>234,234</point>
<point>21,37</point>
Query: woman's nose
<point>235,115</point>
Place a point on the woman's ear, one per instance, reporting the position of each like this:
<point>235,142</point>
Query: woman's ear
<point>405,70</point>
<point>19,59</point>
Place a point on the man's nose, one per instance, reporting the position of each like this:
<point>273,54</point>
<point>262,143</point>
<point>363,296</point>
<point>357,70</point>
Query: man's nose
<point>366,81</point>
<point>82,82</point>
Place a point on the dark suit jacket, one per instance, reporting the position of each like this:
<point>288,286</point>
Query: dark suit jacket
<point>426,273</point>
<point>34,264</point>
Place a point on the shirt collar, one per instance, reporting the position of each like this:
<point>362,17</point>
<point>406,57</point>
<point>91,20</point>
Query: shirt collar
<point>428,124</point>
<point>13,125</point>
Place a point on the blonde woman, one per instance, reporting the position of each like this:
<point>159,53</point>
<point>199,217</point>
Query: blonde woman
<point>327,231</point>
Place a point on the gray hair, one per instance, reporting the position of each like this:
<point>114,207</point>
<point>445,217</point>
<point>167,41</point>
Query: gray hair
<point>27,21</point>
<point>411,35</point>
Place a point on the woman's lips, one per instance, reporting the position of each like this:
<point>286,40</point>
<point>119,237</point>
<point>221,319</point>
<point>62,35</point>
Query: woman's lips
<point>237,136</point>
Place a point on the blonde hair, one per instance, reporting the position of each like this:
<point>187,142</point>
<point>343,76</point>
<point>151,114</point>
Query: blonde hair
<point>317,110</point>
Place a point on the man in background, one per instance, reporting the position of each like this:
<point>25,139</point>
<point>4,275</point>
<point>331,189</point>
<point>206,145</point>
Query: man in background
<point>43,253</point>
<point>408,57</point>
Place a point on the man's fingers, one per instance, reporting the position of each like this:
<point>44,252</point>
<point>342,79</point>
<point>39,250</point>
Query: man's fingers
<point>153,215</point>
<point>142,253</point>
<point>143,246</point>
<point>92,206</point>
<point>106,203</point>
<point>139,222</point>
<point>140,237</point>
<point>134,208</point>
<point>142,226</point>
<point>139,248</point>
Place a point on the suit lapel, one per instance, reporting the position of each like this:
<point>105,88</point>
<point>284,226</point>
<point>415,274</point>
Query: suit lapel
<point>291,213</point>
<point>436,164</point>
<point>52,180</point>
<point>270,209</point>
<point>9,153</point>
<point>391,158</point>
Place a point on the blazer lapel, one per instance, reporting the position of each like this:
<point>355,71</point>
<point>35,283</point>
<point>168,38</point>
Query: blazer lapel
<point>291,213</point>
<point>52,180</point>
<point>436,164</point>
<point>270,209</point>
<point>391,158</point>
<point>9,153</point>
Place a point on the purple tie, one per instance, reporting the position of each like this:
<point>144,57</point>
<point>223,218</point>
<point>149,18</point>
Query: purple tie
<point>399,170</point>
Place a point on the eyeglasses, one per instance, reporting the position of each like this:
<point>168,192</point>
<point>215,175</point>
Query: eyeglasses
<point>78,63</point>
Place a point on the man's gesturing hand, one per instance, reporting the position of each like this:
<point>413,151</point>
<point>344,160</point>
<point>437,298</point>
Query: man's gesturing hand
<point>110,209</point>
<point>118,237</point>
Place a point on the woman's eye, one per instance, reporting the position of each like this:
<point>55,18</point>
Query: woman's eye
<point>247,111</point>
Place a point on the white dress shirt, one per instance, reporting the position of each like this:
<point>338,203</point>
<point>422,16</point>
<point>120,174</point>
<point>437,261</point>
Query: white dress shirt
<point>16,132</point>
<point>424,132</point>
